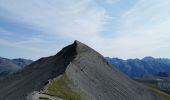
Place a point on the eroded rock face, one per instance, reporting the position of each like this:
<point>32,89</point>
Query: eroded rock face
<point>99,81</point>
<point>86,68</point>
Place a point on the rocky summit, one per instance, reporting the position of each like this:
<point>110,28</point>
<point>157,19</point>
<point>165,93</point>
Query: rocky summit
<point>78,68</point>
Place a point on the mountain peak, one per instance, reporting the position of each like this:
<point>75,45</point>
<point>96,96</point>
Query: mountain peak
<point>76,41</point>
<point>148,58</point>
<point>72,50</point>
<point>85,68</point>
<point>81,47</point>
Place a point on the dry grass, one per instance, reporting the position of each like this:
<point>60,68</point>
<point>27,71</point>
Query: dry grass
<point>60,88</point>
<point>161,94</point>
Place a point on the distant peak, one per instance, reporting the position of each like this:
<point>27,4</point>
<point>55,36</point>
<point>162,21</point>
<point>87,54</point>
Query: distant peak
<point>148,58</point>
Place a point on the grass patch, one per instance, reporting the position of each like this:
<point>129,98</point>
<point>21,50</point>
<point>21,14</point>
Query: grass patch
<point>161,94</point>
<point>44,98</point>
<point>60,88</point>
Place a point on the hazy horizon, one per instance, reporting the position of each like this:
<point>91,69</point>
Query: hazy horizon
<point>115,28</point>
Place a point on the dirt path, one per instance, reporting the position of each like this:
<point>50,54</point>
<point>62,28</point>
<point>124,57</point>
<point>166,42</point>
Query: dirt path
<point>39,96</point>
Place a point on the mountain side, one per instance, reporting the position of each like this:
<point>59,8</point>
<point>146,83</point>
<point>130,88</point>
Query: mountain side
<point>87,70</point>
<point>141,67</point>
<point>9,66</point>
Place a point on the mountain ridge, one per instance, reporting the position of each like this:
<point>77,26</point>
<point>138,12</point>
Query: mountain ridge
<point>141,67</point>
<point>86,68</point>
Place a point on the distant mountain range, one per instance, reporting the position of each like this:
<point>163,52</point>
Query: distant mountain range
<point>141,67</point>
<point>9,66</point>
<point>131,67</point>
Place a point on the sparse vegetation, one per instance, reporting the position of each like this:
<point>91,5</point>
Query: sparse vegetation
<point>60,88</point>
<point>162,94</point>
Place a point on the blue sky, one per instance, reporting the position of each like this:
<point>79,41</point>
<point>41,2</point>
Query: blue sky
<point>117,28</point>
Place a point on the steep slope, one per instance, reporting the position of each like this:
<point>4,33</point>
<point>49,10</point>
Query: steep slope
<point>141,67</point>
<point>85,68</point>
<point>36,76</point>
<point>8,66</point>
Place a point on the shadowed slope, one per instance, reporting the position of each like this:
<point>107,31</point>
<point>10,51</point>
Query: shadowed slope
<point>35,76</point>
